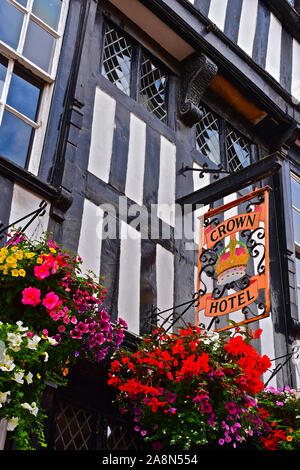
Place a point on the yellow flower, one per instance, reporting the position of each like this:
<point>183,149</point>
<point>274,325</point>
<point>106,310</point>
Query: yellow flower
<point>29,255</point>
<point>289,438</point>
<point>22,272</point>
<point>39,260</point>
<point>19,255</point>
<point>15,272</point>
<point>10,259</point>
<point>65,371</point>
<point>290,430</point>
<point>3,251</point>
<point>38,376</point>
<point>2,258</point>
<point>52,250</point>
<point>14,248</point>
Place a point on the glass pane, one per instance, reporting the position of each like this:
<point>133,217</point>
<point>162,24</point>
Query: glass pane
<point>207,136</point>
<point>39,46</point>
<point>23,96</point>
<point>295,192</point>
<point>238,150</point>
<point>3,70</point>
<point>298,272</point>
<point>296,223</point>
<point>14,138</point>
<point>153,89</point>
<point>117,59</point>
<point>48,11</point>
<point>10,24</point>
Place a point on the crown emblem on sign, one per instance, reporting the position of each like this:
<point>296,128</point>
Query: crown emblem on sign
<point>232,262</point>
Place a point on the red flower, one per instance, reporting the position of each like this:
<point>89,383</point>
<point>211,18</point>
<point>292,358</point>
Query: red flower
<point>41,272</point>
<point>31,296</point>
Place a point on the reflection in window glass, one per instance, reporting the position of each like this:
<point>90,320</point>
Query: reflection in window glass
<point>117,54</point>
<point>48,11</point>
<point>153,89</point>
<point>22,2</point>
<point>298,270</point>
<point>2,76</point>
<point>15,137</point>
<point>23,96</point>
<point>295,192</point>
<point>296,223</point>
<point>207,136</point>
<point>39,46</point>
<point>10,24</point>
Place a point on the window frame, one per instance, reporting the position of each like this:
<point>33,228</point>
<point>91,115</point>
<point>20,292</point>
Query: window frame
<point>138,49</point>
<point>296,177</point>
<point>14,59</point>
<point>224,125</point>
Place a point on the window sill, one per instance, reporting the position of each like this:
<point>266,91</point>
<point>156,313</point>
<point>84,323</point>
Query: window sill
<point>60,199</point>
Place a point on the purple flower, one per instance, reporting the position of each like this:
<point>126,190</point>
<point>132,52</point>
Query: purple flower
<point>156,445</point>
<point>122,322</point>
<point>206,408</point>
<point>221,442</point>
<point>232,408</point>
<point>279,403</point>
<point>171,397</point>
<point>143,433</point>
<point>137,428</point>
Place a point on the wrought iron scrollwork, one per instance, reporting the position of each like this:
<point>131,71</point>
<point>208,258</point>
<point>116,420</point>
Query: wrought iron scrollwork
<point>34,214</point>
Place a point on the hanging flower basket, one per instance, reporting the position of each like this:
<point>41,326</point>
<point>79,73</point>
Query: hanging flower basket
<point>51,316</point>
<point>194,389</point>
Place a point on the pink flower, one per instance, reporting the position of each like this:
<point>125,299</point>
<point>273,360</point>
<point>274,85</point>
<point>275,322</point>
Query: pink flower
<point>31,296</point>
<point>45,332</point>
<point>50,301</point>
<point>61,328</point>
<point>41,272</point>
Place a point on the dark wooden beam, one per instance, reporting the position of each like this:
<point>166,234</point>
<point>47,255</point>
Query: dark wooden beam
<point>256,172</point>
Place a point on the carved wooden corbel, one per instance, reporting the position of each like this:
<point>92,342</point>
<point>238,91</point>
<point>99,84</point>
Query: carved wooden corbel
<point>197,73</point>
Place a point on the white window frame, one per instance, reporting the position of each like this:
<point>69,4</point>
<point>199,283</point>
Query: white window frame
<point>15,56</point>
<point>297,246</point>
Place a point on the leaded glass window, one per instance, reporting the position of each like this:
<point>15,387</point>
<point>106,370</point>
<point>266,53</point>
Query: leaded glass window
<point>153,88</point>
<point>220,143</point>
<point>238,150</point>
<point>207,135</point>
<point>134,71</point>
<point>116,64</point>
<point>73,428</point>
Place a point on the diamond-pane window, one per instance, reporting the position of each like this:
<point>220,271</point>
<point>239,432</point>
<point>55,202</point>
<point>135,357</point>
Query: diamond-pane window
<point>207,136</point>
<point>238,150</point>
<point>73,428</point>
<point>117,55</point>
<point>153,88</point>
<point>120,438</point>
<point>133,70</point>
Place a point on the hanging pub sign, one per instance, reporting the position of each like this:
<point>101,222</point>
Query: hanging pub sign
<point>233,262</point>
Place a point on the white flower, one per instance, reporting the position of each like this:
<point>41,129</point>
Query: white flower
<point>21,327</point>
<point>3,396</point>
<point>33,342</point>
<point>8,364</point>
<point>15,341</point>
<point>52,341</point>
<point>33,409</point>
<point>18,377</point>
<point>12,423</point>
<point>46,356</point>
<point>28,378</point>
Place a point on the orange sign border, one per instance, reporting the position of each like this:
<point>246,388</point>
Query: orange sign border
<point>264,279</point>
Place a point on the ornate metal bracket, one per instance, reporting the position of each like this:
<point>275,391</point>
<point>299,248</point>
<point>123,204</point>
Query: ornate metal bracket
<point>205,169</point>
<point>198,72</point>
<point>34,214</point>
